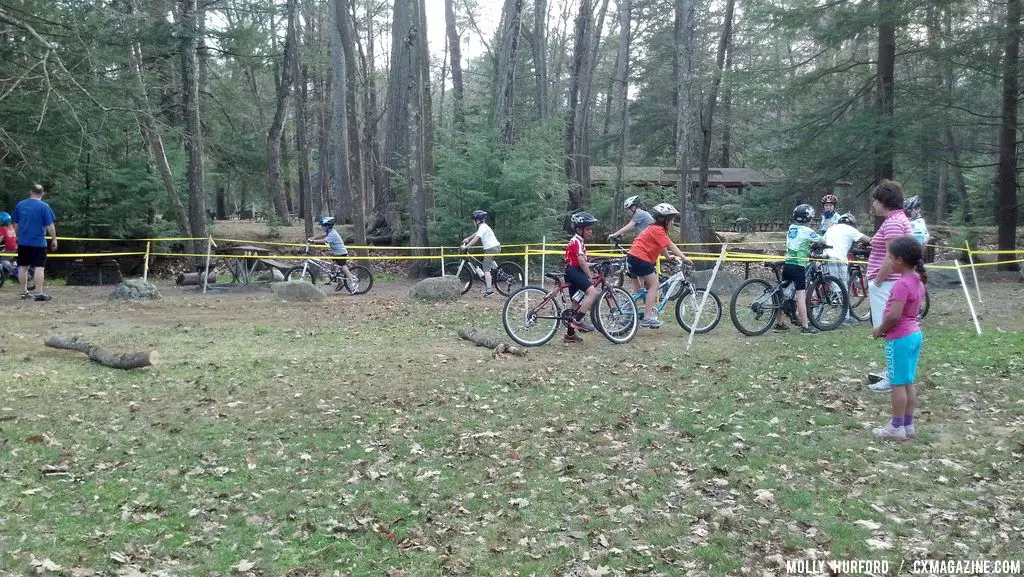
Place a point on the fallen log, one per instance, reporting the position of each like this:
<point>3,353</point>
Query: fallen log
<point>105,358</point>
<point>498,348</point>
<point>194,279</point>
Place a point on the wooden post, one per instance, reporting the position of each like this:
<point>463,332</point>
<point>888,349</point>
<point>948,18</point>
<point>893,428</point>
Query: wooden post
<point>209,249</point>
<point>970,257</point>
<point>707,289</point>
<point>967,293</point>
<point>145,266</point>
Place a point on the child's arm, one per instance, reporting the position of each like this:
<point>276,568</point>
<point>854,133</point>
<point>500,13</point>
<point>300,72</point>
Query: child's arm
<point>469,240</point>
<point>626,228</point>
<point>585,265</point>
<point>675,250</point>
<point>316,239</point>
<point>891,319</point>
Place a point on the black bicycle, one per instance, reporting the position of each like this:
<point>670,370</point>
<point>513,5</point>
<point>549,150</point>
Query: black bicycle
<point>506,276</point>
<point>315,269</point>
<point>756,304</point>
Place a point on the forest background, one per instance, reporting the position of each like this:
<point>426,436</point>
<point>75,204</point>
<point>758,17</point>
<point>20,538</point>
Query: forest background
<point>155,117</point>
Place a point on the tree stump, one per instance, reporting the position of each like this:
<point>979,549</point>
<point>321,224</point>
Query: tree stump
<point>194,278</point>
<point>498,348</point>
<point>105,358</point>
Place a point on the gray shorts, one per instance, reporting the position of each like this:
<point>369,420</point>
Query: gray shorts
<point>489,260</point>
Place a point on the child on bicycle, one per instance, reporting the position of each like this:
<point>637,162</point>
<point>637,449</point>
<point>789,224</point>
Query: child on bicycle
<point>918,228</point>
<point>490,244</point>
<point>902,335</point>
<point>841,238</point>
<point>338,249</point>
<point>643,256</point>
<point>8,243</point>
<point>639,221</point>
<point>578,273</point>
<point>798,249</point>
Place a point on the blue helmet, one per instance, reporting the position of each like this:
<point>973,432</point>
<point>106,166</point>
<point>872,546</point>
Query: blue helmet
<point>5,219</point>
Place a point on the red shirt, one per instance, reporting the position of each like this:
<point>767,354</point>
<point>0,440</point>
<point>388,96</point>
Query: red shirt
<point>575,249</point>
<point>649,244</point>
<point>10,238</point>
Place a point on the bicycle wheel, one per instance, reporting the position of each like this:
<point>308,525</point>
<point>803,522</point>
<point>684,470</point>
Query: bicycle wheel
<point>297,273</point>
<point>827,303</point>
<point>364,278</point>
<point>465,274</point>
<point>529,317</point>
<point>860,304</point>
<point>754,307</point>
<point>925,305</point>
<point>615,316</point>
<point>3,274</point>
<point>686,310</point>
<point>507,278</point>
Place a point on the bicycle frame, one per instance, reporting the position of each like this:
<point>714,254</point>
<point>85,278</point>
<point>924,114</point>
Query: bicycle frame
<point>665,288</point>
<point>470,260</point>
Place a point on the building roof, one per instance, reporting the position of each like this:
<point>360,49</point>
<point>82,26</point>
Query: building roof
<point>659,176</point>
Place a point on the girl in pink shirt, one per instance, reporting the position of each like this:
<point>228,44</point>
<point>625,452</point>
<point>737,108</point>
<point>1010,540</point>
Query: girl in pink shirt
<point>902,335</point>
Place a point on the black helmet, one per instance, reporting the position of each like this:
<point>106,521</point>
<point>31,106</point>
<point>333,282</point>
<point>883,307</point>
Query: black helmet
<point>912,203</point>
<point>583,220</point>
<point>326,222</point>
<point>665,211</point>
<point>848,218</point>
<point>479,215</point>
<point>803,213</point>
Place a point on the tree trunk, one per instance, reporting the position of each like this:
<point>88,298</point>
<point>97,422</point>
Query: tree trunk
<point>584,123</point>
<point>958,177</point>
<point>576,107</point>
<point>622,96</point>
<point>97,355</point>
<point>884,89</point>
<point>276,132</point>
<point>1006,173</point>
<point>396,120</point>
<point>540,59</point>
<point>694,229</point>
<point>708,117</point>
<point>299,76</point>
<point>286,176</point>
<point>426,122</point>
<point>193,137</point>
<point>504,98</point>
<point>455,52</point>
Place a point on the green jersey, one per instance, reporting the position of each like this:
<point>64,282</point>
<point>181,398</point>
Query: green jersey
<point>798,244</point>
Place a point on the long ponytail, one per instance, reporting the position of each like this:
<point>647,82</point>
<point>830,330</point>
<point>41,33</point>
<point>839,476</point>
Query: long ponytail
<point>921,272</point>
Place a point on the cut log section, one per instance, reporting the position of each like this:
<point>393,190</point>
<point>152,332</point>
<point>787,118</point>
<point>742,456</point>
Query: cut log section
<point>194,278</point>
<point>105,358</point>
<point>498,348</point>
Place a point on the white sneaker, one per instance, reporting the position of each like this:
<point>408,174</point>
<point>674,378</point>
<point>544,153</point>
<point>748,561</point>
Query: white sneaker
<point>890,433</point>
<point>881,386</point>
<point>909,430</point>
<point>651,322</point>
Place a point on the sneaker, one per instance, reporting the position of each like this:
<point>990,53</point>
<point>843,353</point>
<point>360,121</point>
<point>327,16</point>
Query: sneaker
<point>875,377</point>
<point>850,322</point>
<point>488,292</point>
<point>809,331</point>
<point>27,296</point>
<point>890,433</point>
<point>42,297</point>
<point>780,328</point>
<point>574,338</point>
<point>909,430</point>
<point>582,326</point>
<point>881,386</point>
<point>652,323</point>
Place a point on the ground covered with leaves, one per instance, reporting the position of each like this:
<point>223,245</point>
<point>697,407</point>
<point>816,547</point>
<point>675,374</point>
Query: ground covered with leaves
<point>361,437</point>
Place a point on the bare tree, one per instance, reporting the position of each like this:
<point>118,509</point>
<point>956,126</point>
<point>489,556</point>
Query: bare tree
<point>884,89</point>
<point>692,223</point>
<point>276,132</point>
<point>299,76</point>
<point>504,97</point>
<point>191,33</point>
<point>708,116</point>
<point>1006,173</point>
<point>577,107</point>
<point>539,45</point>
<point>455,52</point>
<point>622,95</point>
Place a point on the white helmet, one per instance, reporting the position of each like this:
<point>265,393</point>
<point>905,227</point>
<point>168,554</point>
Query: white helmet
<point>632,201</point>
<point>664,210</point>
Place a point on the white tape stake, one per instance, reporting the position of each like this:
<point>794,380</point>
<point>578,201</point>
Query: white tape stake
<point>145,268</point>
<point>442,261</point>
<point>526,262</point>
<point>206,275</point>
<point>707,289</point>
<point>967,293</point>
<point>543,258</point>
<point>974,271</point>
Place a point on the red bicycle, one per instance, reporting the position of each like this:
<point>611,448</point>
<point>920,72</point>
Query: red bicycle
<point>532,315</point>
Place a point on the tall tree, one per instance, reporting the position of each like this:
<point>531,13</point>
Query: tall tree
<point>1006,174</point>
<point>539,45</point>
<point>192,31</point>
<point>300,73</point>
<point>622,96</point>
<point>504,98</point>
<point>693,224</point>
<point>455,55</point>
<point>276,132</point>
<point>577,107</point>
<point>884,88</point>
<point>708,114</point>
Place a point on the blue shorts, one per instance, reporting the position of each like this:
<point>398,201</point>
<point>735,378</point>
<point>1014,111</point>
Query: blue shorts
<point>901,357</point>
<point>639,267</point>
<point>577,278</point>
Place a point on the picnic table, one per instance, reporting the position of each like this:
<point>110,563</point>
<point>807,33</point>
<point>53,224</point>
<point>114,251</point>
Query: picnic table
<point>244,266</point>
<point>754,252</point>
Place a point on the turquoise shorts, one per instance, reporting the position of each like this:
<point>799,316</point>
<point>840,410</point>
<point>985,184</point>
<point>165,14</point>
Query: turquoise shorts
<point>901,357</point>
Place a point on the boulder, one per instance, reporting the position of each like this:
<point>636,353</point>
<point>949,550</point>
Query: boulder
<point>133,290</point>
<point>939,278</point>
<point>297,290</point>
<point>437,288</point>
<point>726,282</point>
<point>272,275</point>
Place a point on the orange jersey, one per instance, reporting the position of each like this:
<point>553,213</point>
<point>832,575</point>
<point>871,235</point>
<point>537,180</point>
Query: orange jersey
<point>650,243</point>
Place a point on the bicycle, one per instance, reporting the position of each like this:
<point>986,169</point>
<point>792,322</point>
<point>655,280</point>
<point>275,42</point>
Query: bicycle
<point>858,290</point>
<point>680,287</point>
<point>531,315</point>
<point>505,277</point>
<point>314,269</point>
<point>756,304</point>
<point>10,270</point>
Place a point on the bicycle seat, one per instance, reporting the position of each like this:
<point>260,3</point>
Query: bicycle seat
<point>553,276</point>
<point>775,265</point>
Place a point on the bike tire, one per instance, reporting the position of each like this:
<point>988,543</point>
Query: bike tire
<point>508,278</point>
<point>363,276</point>
<point>520,315</point>
<point>686,307</point>
<point>827,295</point>
<point>754,307</point>
<point>615,315</point>
<point>857,293</point>
<point>295,273</point>
<point>3,275</point>
<point>465,275</point>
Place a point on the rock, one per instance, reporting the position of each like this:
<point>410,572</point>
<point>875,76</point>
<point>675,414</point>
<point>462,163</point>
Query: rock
<point>297,290</point>
<point>133,290</point>
<point>272,275</point>
<point>726,282</point>
<point>939,278</point>
<point>437,288</point>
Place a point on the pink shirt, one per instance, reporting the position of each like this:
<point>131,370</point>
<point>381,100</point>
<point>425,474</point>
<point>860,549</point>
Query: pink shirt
<point>910,291</point>
<point>894,226</point>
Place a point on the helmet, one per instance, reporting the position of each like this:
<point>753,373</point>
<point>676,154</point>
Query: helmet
<point>848,219</point>
<point>632,201</point>
<point>912,203</point>
<point>583,220</point>
<point>479,214</point>
<point>830,199</point>
<point>326,222</point>
<point>664,210</point>
<point>5,218</point>
<point>803,213</point>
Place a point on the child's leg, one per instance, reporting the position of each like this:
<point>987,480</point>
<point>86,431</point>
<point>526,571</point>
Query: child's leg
<point>899,404</point>
<point>588,301</point>
<point>908,411</point>
<point>801,307</point>
<point>651,282</point>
